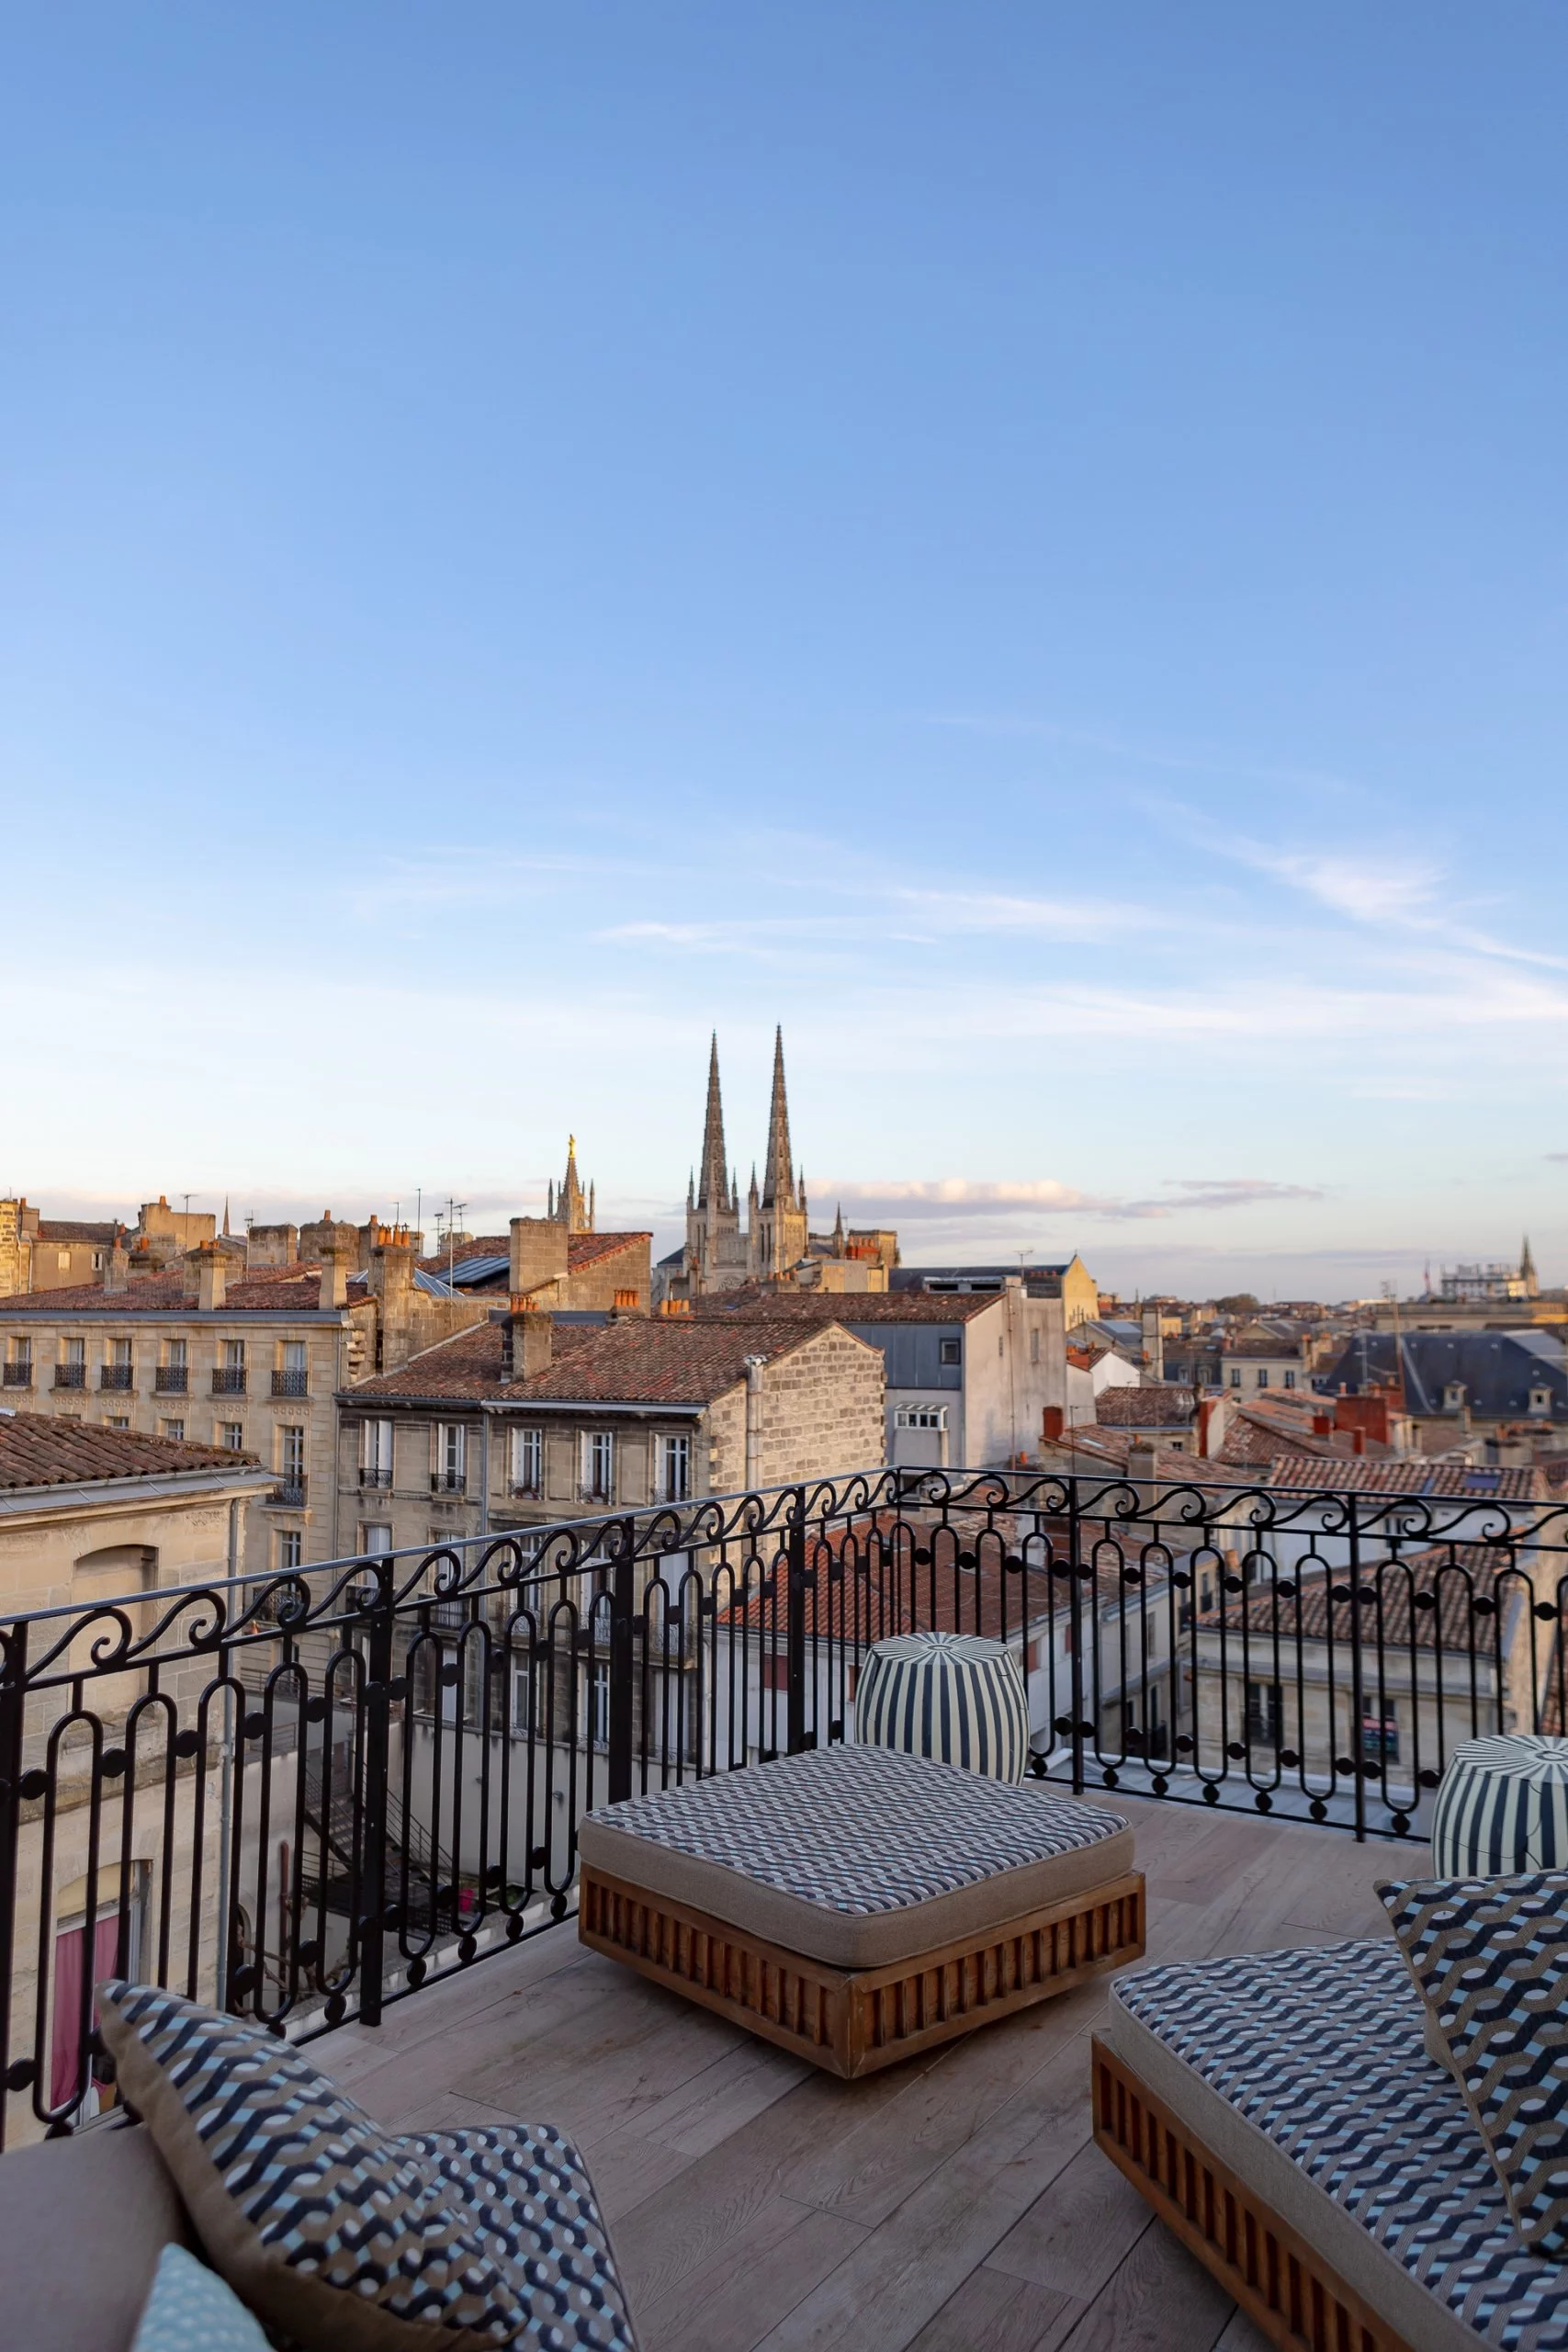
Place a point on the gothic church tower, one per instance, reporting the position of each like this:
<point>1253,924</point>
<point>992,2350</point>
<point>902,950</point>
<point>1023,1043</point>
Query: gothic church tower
<point>778,1232</point>
<point>715,1253</point>
<point>568,1206</point>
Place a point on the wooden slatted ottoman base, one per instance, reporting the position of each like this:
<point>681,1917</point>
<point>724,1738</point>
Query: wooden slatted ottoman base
<point>852,2021</point>
<point>1283,2284</point>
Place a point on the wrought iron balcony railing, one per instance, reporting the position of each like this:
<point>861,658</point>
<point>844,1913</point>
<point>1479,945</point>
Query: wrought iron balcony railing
<point>378,1476</point>
<point>229,1380</point>
<point>448,1482</point>
<point>116,1375</point>
<point>18,1372</point>
<point>291,1491</point>
<point>170,1379</point>
<point>289,1383</point>
<point>413,1737</point>
<point>70,1375</point>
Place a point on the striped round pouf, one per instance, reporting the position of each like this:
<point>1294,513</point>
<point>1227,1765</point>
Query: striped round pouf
<point>1501,1807</point>
<point>953,1697</point>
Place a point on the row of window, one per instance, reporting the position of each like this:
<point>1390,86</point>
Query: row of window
<point>171,1370</point>
<point>1263,1378</point>
<point>526,1461</point>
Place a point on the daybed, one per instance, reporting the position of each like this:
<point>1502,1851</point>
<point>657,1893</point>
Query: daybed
<point>1280,2113</point>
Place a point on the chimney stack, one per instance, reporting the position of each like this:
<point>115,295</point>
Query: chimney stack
<point>539,1249</point>
<point>530,1340</point>
<point>117,1263</point>
<point>333,1288</point>
<point>206,1275</point>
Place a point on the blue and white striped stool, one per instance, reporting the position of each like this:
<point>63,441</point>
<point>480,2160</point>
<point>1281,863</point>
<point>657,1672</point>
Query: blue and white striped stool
<point>953,1697</point>
<point>1501,1807</point>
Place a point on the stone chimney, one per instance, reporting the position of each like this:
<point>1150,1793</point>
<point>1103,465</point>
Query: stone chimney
<point>529,1343</point>
<point>206,1273</point>
<point>117,1263</point>
<point>539,1247</point>
<point>1154,1344</point>
<point>391,1287</point>
<point>338,1254</point>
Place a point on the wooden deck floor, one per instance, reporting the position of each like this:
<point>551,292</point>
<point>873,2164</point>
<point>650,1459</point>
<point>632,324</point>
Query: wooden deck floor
<point>952,2203</point>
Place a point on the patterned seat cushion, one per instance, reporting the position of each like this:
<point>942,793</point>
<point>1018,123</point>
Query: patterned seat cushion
<point>1305,2072</point>
<point>859,1857</point>
<point>1491,1957</point>
<point>348,2237</point>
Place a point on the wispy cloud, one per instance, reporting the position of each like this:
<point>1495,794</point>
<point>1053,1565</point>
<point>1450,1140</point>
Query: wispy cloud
<point>959,1199</point>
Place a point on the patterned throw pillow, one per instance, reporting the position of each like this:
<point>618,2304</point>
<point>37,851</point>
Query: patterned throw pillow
<point>346,2237</point>
<point>1490,1956</point>
<point>190,2309</point>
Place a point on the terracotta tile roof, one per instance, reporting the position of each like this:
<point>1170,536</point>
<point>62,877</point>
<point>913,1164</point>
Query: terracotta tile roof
<point>1157,1404</point>
<point>70,1228</point>
<point>1256,1436</point>
<point>36,1449</point>
<point>586,1249</point>
<point>272,1290</point>
<point>753,1299</point>
<point>635,1360</point>
<point>1458,1575</point>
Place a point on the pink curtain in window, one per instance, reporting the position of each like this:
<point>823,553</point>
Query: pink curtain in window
<point>65,2081</point>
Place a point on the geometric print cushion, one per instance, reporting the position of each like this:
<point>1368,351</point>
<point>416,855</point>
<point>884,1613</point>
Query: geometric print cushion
<point>1490,1956</point>
<point>863,1831</point>
<point>956,1697</point>
<point>350,2238</point>
<point>190,2309</point>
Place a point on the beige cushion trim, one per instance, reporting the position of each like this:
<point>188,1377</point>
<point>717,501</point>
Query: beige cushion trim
<point>1349,2250</point>
<point>851,1939</point>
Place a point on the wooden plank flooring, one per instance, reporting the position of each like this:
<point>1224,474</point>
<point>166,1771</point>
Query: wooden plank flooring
<point>952,2203</point>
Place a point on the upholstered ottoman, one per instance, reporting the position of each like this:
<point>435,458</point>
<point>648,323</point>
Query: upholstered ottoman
<point>856,1905</point>
<point>1501,1807</point>
<point>956,1697</point>
<point>1279,2112</point>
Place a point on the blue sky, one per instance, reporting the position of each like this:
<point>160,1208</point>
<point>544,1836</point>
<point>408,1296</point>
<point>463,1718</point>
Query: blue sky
<point>1026,543</point>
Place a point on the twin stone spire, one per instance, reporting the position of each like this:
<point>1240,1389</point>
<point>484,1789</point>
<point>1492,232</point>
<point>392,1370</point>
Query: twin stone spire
<point>718,1254</point>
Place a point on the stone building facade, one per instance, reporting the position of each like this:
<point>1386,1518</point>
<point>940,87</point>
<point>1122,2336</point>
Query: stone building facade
<point>529,1421</point>
<point>249,1362</point>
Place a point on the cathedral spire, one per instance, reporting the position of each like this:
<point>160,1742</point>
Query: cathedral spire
<point>711,1188</point>
<point>778,1182</point>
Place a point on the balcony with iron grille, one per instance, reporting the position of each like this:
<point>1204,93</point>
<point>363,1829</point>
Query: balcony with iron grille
<point>171,1380</point>
<point>290,1492</point>
<point>448,1482</point>
<point>18,1372</point>
<point>289,1383</point>
<point>119,1376</point>
<point>70,1375</point>
<point>376,1475</point>
<point>1266,1682</point>
<point>229,1380</point>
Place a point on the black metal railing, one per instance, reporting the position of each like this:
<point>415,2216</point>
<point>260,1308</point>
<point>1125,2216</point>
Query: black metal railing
<point>229,1380</point>
<point>170,1379</point>
<point>115,1375</point>
<point>290,1489</point>
<point>288,1384</point>
<point>308,1796</point>
<point>376,1475</point>
<point>70,1375</point>
<point>18,1372</point>
<point>448,1482</point>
